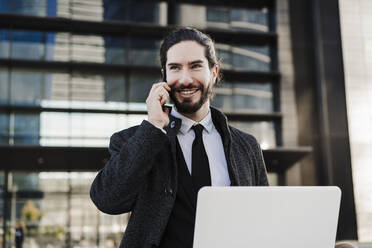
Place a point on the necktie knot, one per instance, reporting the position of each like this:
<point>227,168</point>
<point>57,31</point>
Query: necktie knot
<point>198,129</point>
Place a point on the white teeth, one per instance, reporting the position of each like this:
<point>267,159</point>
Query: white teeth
<point>188,92</point>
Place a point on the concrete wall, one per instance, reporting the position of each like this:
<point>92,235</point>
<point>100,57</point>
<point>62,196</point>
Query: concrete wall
<point>356,31</point>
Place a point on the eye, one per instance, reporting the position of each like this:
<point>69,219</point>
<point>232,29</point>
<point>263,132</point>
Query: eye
<point>196,66</point>
<point>173,67</point>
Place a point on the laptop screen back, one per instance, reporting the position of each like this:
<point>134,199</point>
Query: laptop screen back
<point>267,217</point>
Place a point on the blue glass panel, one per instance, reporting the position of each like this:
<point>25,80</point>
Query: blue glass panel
<point>29,7</point>
<point>242,96</point>
<point>238,18</point>
<point>144,52</point>
<point>249,58</point>
<point>26,128</point>
<point>4,128</point>
<point>128,10</point>
<point>4,86</point>
<point>140,85</point>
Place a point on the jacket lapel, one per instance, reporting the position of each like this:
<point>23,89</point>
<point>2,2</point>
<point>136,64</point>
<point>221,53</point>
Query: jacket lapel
<point>187,186</point>
<point>220,122</point>
<point>172,129</point>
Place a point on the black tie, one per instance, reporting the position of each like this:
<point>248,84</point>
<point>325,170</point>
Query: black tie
<point>201,175</point>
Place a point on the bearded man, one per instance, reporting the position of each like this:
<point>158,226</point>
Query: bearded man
<point>157,168</point>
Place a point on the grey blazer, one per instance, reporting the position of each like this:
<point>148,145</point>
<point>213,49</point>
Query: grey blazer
<point>141,175</point>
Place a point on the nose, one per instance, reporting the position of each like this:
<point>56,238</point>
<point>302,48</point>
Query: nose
<point>185,77</point>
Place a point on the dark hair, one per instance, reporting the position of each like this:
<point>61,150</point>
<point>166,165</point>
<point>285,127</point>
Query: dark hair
<point>192,34</point>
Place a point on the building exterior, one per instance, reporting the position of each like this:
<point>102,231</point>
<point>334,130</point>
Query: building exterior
<point>74,72</point>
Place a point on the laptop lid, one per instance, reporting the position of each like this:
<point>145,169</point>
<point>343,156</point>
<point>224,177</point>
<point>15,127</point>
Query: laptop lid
<point>267,217</point>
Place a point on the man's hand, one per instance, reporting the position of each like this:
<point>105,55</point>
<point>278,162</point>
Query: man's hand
<point>157,97</point>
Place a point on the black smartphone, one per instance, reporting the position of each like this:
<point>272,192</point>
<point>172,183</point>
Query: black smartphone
<point>164,78</point>
<point>163,75</point>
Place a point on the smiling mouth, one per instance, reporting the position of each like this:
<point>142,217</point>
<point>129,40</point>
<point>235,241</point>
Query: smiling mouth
<point>187,92</point>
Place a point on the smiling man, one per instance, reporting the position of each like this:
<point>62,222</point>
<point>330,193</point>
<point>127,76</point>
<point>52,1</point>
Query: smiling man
<point>157,168</point>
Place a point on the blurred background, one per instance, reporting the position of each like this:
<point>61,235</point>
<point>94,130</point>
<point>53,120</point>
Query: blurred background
<point>297,75</point>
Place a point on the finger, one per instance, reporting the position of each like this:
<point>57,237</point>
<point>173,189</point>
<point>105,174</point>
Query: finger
<point>156,86</point>
<point>167,87</point>
<point>162,91</point>
<point>164,98</point>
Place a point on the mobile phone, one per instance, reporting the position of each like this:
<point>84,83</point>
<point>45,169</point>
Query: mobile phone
<point>164,78</point>
<point>164,75</point>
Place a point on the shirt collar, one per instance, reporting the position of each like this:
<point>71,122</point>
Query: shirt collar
<point>188,123</point>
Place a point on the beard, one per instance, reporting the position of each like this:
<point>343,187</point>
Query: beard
<point>186,106</point>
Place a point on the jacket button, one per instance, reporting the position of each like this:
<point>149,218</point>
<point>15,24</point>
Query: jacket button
<point>173,123</point>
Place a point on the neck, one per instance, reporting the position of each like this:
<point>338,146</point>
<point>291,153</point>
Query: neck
<point>200,114</point>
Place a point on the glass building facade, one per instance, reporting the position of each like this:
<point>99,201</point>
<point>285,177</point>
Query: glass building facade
<point>73,72</point>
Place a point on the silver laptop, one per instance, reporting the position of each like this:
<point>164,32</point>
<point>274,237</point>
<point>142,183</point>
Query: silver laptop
<point>267,217</point>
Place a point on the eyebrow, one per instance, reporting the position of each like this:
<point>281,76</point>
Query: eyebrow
<point>190,63</point>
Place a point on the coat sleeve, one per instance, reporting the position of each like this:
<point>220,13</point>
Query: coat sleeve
<point>116,186</point>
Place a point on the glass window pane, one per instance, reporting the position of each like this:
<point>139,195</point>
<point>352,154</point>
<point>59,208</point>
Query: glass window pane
<point>29,7</point>
<point>140,85</point>
<point>4,86</point>
<point>263,131</point>
<point>4,43</point>
<point>51,203</point>
<point>249,58</point>
<point>243,96</point>
<point>92,10</point>
<point>28,45</point>
<point>26,128</point>
<point>28,87</point>
<point>250,19</point>
<point>50,89</point>
<point>218,15</point>
<point>4,128</point>
<point>144,52</point>
<point>256,20</point>
<point>82,129</point>
<point>61,46</point>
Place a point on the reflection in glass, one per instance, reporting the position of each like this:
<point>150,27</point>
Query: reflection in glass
<point>143,51</point>
<point>61,46</point>
<point>238,18</point>
<point>256,20</point>
<point>129,10</point>
<point>249,58</point>
<point>31,87</point>
<point>140,85</point>
<point>242,96</point>
<point>57,212</point>
<point>25,129</point>
<point>83,129</point>
<point>263,131</point>
<point>29,7</point>
<point>4,128</point>
<point>92,10</point>
<point>63,129</point>
<point>4,43</point>
<point>4,86</point>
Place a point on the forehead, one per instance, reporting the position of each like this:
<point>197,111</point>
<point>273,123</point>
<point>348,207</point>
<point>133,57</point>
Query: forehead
<point>186,51</point>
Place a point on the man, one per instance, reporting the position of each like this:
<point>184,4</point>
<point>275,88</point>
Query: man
<point>157,168</point>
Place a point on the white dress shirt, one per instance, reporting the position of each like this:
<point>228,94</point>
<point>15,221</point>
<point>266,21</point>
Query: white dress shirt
<point>213,146</point>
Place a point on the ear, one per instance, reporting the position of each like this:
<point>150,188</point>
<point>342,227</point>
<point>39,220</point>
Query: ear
<point>214,73</point>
